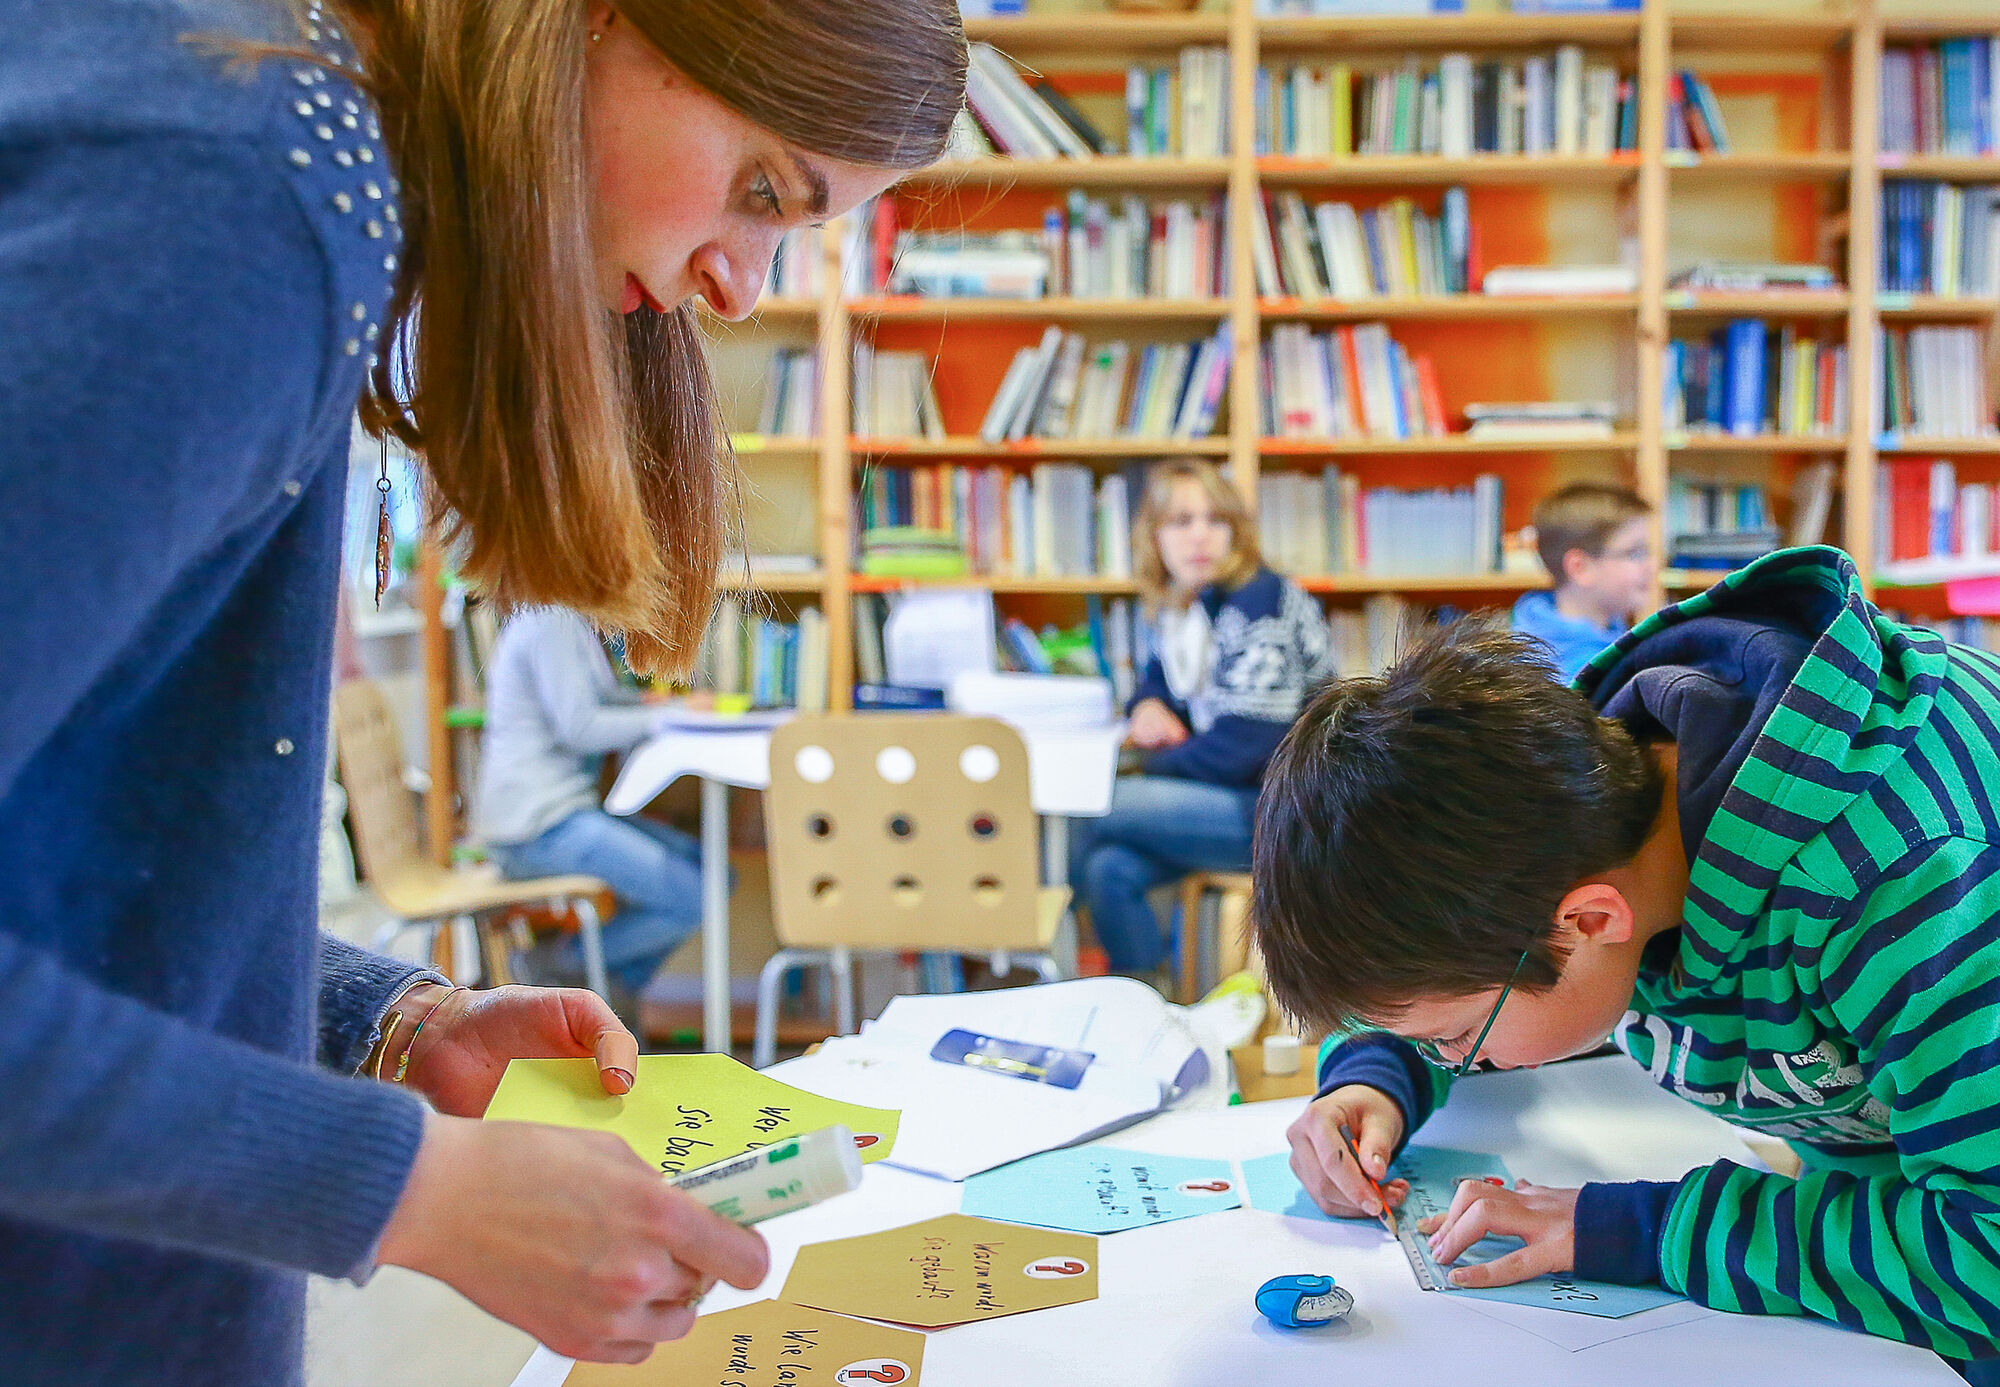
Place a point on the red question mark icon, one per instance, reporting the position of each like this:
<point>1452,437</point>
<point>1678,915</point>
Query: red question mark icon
<point>861,1143</point>
<point>1066,1268</point>
<point>1209,1186</point>
<point>888,1372</point>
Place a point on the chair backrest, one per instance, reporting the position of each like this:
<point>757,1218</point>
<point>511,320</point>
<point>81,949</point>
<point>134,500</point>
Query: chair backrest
<point>902,831</point>
<point>371,769</point>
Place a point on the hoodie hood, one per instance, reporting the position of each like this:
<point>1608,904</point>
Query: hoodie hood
<point>1790,696</point>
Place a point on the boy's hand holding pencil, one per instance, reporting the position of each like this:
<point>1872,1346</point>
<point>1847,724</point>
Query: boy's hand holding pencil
<point>1326,1163</point>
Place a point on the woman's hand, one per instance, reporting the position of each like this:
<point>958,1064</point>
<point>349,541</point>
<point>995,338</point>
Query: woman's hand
<point>464,1047</point>
<point>1545,1218</point>
<point>1154,726</point>
<point>1320,1159</point>
<point>566,1234</point>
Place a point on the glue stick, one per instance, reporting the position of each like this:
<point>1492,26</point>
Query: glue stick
<point>772,1180</point>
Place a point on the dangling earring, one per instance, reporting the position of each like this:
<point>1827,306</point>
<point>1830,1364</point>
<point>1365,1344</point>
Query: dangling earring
<point>385,539</point>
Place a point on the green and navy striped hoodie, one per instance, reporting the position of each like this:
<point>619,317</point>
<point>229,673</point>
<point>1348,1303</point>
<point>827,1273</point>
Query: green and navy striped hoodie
<point>1836,977</point>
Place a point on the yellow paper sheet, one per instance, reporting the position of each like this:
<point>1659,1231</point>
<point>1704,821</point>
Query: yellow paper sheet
<point>948,1270</point>
<point>684,1111</point>
<point>771,1345</point>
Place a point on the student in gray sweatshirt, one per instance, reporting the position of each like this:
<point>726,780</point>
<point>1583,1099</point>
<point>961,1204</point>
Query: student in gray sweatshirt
<point>553,709</point>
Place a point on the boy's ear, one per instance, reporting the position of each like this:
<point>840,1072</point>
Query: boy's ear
<point>1573,564</point>
<point>1598,912</point>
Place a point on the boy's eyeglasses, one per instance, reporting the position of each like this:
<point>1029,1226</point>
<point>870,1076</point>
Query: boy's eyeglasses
<point>1429,1048</point>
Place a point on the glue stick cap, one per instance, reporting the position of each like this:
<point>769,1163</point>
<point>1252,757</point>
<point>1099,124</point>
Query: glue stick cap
<point>831,1164</point>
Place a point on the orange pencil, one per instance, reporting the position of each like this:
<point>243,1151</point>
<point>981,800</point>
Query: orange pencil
<point>1381,1200</point>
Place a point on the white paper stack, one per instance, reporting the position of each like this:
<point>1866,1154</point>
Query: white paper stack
<point>958,1121</point>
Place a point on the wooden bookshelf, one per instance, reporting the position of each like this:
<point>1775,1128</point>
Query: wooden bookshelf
<point>1838,169</point>
<point>1840,165</point>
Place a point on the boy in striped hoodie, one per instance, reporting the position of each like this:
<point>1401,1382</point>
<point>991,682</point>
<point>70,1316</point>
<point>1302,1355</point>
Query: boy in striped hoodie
<point>1757,847</point>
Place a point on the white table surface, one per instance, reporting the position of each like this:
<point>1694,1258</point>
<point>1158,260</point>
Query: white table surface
<point>1174,1307</point>
<point>1070,772</point>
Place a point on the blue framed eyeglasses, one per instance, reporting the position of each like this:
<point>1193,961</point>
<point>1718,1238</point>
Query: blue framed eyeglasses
<point>1435,1057</point>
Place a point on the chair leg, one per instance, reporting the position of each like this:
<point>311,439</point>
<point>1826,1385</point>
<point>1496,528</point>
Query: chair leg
<point>1001,962</point>
<point>841,964</point>
<point>764,1047</point>
<point>590,936</point>
<point>1047,966</point>
<point>1191,894</point>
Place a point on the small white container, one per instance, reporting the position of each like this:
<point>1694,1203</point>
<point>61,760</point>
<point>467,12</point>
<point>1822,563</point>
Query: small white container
<point>1281,1055</point>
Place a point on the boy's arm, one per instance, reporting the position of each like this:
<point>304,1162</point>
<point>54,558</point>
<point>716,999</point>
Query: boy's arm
<point>1388,1063</point>
<point>1914,980</point>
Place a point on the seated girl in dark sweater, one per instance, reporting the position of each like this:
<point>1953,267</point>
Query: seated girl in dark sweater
<point>1235,648</point>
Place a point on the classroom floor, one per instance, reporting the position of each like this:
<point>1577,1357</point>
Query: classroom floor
<point>402,1330</point>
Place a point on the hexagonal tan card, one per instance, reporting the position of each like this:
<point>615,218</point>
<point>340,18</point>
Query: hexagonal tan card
<point>770,1344</point>
<point>944,1271</point>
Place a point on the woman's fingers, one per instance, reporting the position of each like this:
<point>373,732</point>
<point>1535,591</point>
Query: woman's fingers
<point>599,1033</point>
<point>708,1243</point>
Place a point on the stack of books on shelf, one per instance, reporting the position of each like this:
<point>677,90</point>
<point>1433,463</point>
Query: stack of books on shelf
<point>1752,276</point>
<point>1717,526</point>
<point>1334,251</point>
<point>1170,249</point>
<point>1545,421</point>
<point>1558,103</point>
<point>1749,378</point>
<point>791,393</point>
<point>1931,383</point>
<point>776,664</point>
<point>1054,520</point>
<point>1326,522</point>
<point>1062,388</point>
<point>1181,109</point>
<point>1941,98</point>
<point>1349,382</point>
<point>1365,642</point>
<point>893,396</point>
<point>797,266</point>
<point>972,265</point>
<point>1924,515</point>
<point>1694,120</point>
<point>1940,238</point>
<point>1508,281</point>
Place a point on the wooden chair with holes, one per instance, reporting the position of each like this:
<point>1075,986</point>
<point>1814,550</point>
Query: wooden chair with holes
<point>416,890</point>
<point>892,832</point>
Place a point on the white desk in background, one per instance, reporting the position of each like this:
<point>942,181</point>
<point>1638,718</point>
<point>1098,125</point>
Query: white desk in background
<point>1070,771</point>
<point>1174,1306</point>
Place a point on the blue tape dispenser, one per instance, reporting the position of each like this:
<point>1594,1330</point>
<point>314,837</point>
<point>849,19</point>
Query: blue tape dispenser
<point>1301,1302</point>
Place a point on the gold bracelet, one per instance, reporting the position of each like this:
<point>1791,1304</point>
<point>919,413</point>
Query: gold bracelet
<point>382,1041</point>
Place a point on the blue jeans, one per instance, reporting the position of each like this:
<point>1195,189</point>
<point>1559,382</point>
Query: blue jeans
<point>653,869</point>
<point>1159,829</point>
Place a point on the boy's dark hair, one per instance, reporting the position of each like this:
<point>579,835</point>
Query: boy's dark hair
<point>1582,516</point>
<point>1417,830</point>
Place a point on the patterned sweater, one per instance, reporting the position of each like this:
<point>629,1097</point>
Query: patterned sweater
<point>1836,977</point>
<point>1271,648</point>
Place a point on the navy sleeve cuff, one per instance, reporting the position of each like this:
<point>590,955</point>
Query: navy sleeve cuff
<point>1618,1230</point>
<point>1384,1062</point>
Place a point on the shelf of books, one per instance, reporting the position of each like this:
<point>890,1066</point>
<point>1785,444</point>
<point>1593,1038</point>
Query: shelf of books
<point>1402,275</point>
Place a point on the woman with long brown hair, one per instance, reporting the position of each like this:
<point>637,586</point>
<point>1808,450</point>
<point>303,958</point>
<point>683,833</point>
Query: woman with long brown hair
<point>224,224</point>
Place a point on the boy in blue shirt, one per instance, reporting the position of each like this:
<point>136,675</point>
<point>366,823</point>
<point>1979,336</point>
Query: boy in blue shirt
<point>1596,542</point>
